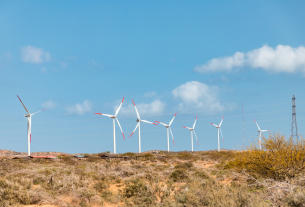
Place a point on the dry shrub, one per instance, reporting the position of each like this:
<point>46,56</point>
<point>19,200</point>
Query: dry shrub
<point>279,158</point>
<point>296,199</point>
<point>101,185</point>
<point>186,156</point>
<point>211,194</point>
<point>68,159</point>
<point>93,159</point>
<point>129,154</point>
<point>218,156</point>
<point>179,175</point>
<point>139,192</point>
<point>186,165</point>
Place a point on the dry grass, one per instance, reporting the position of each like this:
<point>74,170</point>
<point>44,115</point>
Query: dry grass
<point>279,158</point>
<point>179,179</point>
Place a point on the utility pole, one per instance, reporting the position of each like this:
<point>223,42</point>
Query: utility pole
<point>294,126</point>
<point>243,126</point>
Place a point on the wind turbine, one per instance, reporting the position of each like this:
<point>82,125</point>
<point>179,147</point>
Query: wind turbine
<point>260,134</point>
<point>114,118</point>
<point>29,116</point>
<point>138,125</point>
<point>168,128</point>
<point>218,127</point>
<point>192,130</point>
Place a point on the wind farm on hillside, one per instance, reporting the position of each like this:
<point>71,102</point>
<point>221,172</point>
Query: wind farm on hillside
<point>139,120</point>
<point>152,103</point>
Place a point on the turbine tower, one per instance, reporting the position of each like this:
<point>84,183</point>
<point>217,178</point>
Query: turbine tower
<point>192,130</point>
<point>168,128</point>
<point>114,117</point>
<point>294,126</point>
<point>29,116</point>
<point>219,129</point>
<point>138,125</point>
<point>260,134</point>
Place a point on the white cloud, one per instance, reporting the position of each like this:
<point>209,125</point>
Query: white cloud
<point>80,109</point>
<point>32,54</point>
<point>195,95</point>
<point>64,65</point>
<point>150,94</point>
<point>222,63</point>
<point>145,109</point>
<point>282,58</point>
<point>49,104</point>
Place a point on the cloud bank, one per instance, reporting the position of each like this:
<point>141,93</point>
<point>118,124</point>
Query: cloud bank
<point>49,104</point>
<point>282,58</point>
<point>32,54</point>
<point>145,109</point>
<point>195,95</point>
<point>80,109</point>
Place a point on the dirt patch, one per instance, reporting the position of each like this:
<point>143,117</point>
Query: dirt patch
<point>116,187</point>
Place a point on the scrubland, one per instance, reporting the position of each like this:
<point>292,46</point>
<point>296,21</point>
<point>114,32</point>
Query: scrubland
<point>273,176</point>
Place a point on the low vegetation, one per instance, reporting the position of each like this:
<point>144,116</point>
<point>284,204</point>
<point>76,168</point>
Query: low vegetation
<point>273,176</point>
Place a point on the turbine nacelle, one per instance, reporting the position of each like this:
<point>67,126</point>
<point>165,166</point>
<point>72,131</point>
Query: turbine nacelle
<point>28,115</point>
<point>168,128</point>
<point>138,125</point>
<point>114,117</point>
<point>192,132</point>
<point>260,134</point>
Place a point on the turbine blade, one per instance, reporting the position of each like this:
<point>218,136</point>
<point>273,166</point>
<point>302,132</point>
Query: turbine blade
<point>221,135</point>
<point>104,115</point>
<point>257,125</point>
<point>214,124</point>
<point>117,111</point>
<point>221,121</point>
<point>172,119</point>
<point>136,109</point>
<point>265,130</point>
<point>120,127</point>
<point>134,130</point>
<point>196,137</point>
<point>23,105</point>
<point>172,135</point>
<point>195,123</point>
<point>187,127</point>
<point>161,123</point>
<point>149,122</point>
<point>38,112</point>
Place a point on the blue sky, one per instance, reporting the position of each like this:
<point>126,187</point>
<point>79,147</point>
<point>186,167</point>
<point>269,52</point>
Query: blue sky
<point>203,58</point>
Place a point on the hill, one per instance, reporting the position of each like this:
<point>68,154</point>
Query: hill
<point>10,153</point>
<point>131,179</point>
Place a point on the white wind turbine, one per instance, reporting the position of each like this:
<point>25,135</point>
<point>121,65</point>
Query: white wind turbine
<point>138,125</point>
<point>29,116</point>
<point>114,117</point>
<point>218,129</point>
<point>168,128</point>
<point>260,134</point>
<point>192,130</point>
